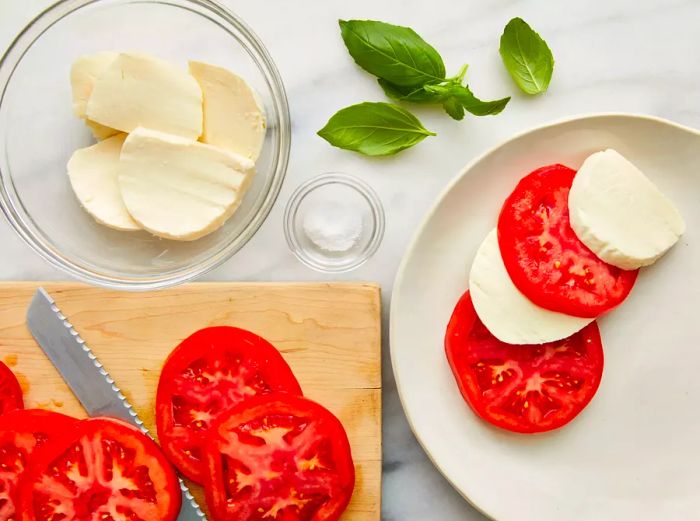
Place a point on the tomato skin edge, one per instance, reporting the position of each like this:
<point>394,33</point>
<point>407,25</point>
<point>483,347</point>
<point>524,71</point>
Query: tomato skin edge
<point>29,418</point>
<point>16,394</point>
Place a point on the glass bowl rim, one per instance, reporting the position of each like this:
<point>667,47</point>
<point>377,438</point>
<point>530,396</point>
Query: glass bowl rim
<point>254,46</point>
<point>365,190</point>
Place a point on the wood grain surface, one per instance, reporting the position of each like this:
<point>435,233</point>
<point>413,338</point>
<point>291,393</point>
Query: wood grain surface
<point>328,333</point>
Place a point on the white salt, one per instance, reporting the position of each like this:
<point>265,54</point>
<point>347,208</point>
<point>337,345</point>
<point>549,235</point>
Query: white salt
<point>333,226</point>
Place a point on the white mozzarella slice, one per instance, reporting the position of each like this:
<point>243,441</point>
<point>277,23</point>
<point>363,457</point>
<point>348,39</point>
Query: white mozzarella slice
<point>508,314</point>
<point>233,116</point>
<point>136,90</point>
<point>83,74</point>
<point>620,214</point>
<point>93,175</point>
<point>180,189</point>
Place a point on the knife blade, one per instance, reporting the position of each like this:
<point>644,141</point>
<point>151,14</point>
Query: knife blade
<point>92,385</point>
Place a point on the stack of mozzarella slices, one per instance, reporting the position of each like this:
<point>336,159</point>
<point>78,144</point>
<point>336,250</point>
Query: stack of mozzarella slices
<point>177,150</point>
<point>522,342</point>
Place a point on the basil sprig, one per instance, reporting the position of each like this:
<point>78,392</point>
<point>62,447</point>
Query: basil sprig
<point>454,97</point>
<point>408,69</point>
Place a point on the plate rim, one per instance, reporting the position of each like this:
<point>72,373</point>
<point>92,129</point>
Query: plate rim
<point>432,210</point>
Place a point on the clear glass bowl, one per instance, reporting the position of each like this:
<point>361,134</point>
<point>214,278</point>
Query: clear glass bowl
<point>334,197</point>
<point>38,134</point>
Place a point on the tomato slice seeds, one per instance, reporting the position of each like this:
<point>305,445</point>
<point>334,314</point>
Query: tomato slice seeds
<point>208,374</point>
<point>543,256</point>
<point>102,469</point>
<point>522,388</point>
<point>21,433</point>
<point>279,457</point>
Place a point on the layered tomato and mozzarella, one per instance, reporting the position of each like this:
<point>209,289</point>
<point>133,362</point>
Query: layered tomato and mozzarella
<point>522,342</point>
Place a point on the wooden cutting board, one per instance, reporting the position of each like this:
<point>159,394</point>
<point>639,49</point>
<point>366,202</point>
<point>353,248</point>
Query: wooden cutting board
<point>328,333</point>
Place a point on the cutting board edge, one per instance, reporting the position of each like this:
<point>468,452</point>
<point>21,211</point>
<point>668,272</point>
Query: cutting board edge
<point>371,293</point>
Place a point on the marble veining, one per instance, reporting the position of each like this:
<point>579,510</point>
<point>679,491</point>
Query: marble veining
<point>611,56</point>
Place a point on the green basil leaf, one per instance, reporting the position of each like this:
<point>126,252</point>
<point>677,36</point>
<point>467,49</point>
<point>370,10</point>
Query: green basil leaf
<point>454,108</point>
<point>374,129</point>
<point>527,57</point>
<point>476,106</point>
<point>465,97</point>
<point>412,94</point>
<point>391,52</point>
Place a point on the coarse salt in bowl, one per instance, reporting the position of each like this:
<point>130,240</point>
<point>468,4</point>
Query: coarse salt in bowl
<point>334,222</point>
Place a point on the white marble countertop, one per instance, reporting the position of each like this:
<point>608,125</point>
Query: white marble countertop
<point>611,56</point>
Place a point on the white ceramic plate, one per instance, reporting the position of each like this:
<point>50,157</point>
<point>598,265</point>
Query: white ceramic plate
<point>634,452</point>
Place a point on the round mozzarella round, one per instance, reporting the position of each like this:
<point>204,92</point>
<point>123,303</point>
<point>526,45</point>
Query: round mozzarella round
<point>619,214</point>
<point>136,90</point>
<point>233,115</point>
<point>180,189</point>
<point>508,314</point>
<point>83,74</point>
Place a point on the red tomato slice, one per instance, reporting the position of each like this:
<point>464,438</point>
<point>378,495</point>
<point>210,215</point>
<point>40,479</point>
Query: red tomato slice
<point>208,374</point>
<point>10,391</point>
<point>522,388</point>
<point>278,458</point>
<point>102,469</point>
<point>545,259</point>
<point>21,432</point>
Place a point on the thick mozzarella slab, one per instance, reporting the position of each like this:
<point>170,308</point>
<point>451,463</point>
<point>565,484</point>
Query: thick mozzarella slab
<point>180,189</point>
<point>93,175</point>
<point>83,74</point>
<point>619,214</point>
<point>142,91</point>
<point>507,313</point>
<point>233,117</point>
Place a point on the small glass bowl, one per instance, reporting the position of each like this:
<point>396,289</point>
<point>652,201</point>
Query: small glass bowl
<point>38,134</point>
<point>323,194</point>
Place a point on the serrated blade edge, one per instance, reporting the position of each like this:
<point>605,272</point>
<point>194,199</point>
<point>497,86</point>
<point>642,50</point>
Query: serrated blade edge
<point>78,365</point>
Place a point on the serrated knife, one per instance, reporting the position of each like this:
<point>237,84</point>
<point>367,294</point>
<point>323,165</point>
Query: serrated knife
<point>85,375</point>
